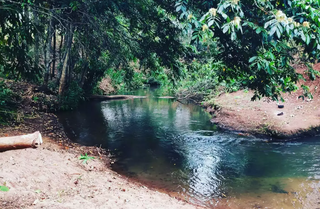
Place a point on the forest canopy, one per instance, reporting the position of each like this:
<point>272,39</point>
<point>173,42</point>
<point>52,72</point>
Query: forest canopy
<point>70,43</point>
<point>258,40</point>
<point>85,38</point>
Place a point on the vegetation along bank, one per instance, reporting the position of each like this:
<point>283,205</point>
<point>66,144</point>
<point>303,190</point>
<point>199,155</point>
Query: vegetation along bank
<point>220,54</point>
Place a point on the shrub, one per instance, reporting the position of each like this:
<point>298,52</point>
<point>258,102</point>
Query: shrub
<point>200,80</point>
<point>71,97</point>
<point>7,109</point>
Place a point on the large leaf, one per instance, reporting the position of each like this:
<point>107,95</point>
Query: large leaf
<point>252,59</point>
<point>272,31</point>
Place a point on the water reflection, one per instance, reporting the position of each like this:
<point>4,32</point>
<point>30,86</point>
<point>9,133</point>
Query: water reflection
<point>175,147</point>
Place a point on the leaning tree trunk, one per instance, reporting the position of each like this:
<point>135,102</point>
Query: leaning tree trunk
<point>64,73</point>
<point>48,52</point>
<point>20,142</point>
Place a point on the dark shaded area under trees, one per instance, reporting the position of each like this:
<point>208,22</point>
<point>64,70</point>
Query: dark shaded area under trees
<point>68,45</point>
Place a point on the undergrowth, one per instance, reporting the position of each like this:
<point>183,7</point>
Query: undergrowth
<point>201,82</point>
<point>71,98</point>
<point>7,108</point>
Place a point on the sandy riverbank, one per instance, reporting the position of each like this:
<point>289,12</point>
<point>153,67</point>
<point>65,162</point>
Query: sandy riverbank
<point>53,177</point>
<point>298,117</point>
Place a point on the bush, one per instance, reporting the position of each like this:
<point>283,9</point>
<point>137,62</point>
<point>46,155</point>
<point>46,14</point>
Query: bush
<point>71,97</point>
<point>7,110</point>
<point>200,81</point>
<point>120,80</point>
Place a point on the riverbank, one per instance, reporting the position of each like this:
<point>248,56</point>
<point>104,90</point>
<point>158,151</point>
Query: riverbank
<point>52,176</point>
<point>298,118</point>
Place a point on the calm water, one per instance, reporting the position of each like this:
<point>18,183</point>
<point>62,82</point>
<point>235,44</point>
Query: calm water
<point>174,147</point>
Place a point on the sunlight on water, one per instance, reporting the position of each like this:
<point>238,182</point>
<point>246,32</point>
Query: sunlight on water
<point>175,148</point>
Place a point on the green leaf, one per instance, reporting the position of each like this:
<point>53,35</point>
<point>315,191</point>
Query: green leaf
<point>307,39</point>
<point>210,23</point>
<point>252,59</point>
<point>258,30</point>
<point>225,28</point>
<point>259,66</point>
<point>224,15</point>
<point>272,31</point>
<point>4,189</point>
<point>233,36</point>
<point>278,33</point>
<point>303,37</point>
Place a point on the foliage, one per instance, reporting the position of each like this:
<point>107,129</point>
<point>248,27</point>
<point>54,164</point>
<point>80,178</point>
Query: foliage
<point>7,109</point>
<point>72,97</point>
<point>257,40</point>
<point>63,43</point>
<point>200,80</point>
<point>125,79</point>
<point>85,158</point>
<point>4,188</point>
<point>247,43</point>
<point>105,34</point>
<point>15,38</point>
<point>117,78</point>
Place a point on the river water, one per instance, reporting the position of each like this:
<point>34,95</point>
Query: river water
<point>175,148</point>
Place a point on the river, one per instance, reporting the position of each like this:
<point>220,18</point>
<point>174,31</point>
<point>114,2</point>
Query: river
<point>175,148</point>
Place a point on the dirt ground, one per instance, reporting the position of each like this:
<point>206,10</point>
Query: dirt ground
<point>300,117</point>
<point>53,177</point>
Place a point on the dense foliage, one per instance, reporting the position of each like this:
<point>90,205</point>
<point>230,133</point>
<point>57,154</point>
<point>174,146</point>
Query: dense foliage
<point>70,45</point>
<point>77,41</point>
<point>6,106</point>
<point>257,40</point>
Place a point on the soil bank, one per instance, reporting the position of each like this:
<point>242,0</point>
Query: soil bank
<point>298,118</point>
<point>52,176</point>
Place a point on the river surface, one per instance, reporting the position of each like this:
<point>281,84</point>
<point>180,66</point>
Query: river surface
<point>175,148</point>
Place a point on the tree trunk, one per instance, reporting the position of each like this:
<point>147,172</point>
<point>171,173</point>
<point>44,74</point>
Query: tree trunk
<point>84,69</point>
<point>54,52</point>
<point>83,75</point>
<point>20,142</point>
<point>48,52</point>
<point>27,26</point>
<point>64,73</point>
<point>36,39</point>
<point>60,49</point>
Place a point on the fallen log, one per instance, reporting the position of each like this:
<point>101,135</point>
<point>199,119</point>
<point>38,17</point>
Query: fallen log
<point>114,97</point>
<point>20,142</point>
<point>166,97</point>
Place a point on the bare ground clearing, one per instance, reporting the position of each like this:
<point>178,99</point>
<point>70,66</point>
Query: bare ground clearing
<point>299,118</point>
